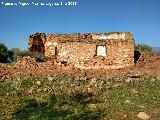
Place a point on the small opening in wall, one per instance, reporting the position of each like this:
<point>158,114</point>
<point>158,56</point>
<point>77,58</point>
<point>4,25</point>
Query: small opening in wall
<point>64,63</point>
<point>56,51</point>
<point>101,50</point>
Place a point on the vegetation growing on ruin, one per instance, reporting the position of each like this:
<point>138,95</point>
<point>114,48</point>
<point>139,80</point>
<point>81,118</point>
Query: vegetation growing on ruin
<point>7,56</point>
<point>38,56</point>
<point>143,48</point>
<point>70,98</point>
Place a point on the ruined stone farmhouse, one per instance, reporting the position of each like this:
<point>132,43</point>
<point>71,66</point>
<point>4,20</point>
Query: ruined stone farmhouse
<point>91,50</point>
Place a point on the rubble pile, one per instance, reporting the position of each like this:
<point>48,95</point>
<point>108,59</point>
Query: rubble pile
<point>147,65</point>
<point>25,63</point>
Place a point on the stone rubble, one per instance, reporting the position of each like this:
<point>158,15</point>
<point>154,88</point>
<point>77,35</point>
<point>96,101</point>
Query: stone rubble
<point>143,116</point>
<point>28,67</point>
<point>50,78</point>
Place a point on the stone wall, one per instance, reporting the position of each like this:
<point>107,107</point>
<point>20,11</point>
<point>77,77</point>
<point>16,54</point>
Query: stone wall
<point>120,52</point>
<point>87,50</point>
<point>75,52</point>
<point>36,42</point>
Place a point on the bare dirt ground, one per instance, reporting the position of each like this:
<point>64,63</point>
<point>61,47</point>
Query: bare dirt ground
<point>147,65</point>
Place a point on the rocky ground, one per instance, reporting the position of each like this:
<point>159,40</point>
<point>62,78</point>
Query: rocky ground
<point>147,65</point>
<point>46,90</point>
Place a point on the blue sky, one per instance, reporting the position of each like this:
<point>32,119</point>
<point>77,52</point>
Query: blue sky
<point>141,17</point>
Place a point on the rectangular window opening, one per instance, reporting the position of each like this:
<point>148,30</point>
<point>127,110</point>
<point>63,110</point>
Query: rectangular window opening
<point>101,50</point>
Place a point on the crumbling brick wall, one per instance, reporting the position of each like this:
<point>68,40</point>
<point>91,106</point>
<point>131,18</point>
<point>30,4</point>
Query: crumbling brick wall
<point>36,42</point>
<point>91,49</point>
<point>76,52</point>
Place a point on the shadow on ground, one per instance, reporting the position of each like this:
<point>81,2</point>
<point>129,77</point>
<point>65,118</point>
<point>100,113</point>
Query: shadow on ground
<point>74,107</point>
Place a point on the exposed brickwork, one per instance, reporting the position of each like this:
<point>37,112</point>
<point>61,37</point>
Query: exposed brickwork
<point>36,42</point>
<point>88,51</point>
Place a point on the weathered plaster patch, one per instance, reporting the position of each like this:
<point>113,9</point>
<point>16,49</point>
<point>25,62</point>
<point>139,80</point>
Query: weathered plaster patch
<point>95,37</point>
<point>111,36</point>
<point>101,50</point>
<point>48,43</point>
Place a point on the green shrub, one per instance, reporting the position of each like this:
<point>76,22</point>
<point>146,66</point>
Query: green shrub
<point>5,54</point>
<point>49,58</point>
<point>40,57</point>
<point>27,83</point>
<point>143,48</point>
<point>16,52</point>
<point>27,53</point>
